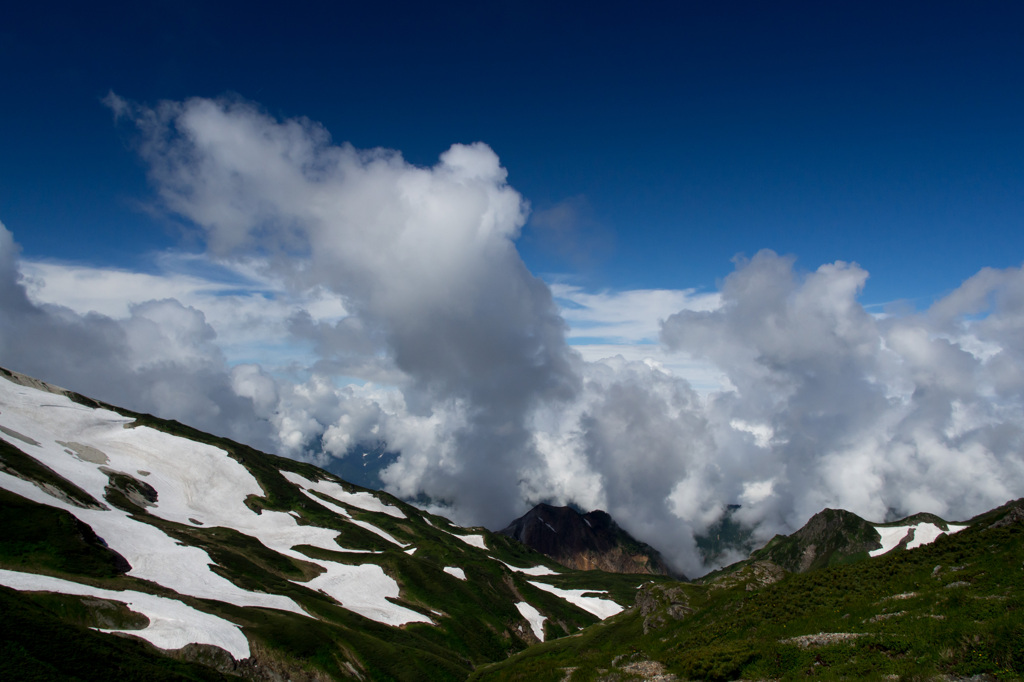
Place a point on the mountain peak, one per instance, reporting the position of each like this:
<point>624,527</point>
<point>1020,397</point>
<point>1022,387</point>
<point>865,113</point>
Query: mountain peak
<point>590,541</point>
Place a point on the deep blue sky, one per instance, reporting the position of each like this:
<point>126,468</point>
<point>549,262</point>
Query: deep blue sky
<point>890,134</point>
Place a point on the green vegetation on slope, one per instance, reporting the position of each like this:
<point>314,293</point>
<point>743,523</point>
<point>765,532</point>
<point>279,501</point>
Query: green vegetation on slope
<point>36,644</point>
<point>953,607</point>
<point>475,621</point>
<point>44,539</point>
<point>15,462</point>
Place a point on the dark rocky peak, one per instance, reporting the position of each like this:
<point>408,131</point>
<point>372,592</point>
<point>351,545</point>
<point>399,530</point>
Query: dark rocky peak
<point>591,541</point>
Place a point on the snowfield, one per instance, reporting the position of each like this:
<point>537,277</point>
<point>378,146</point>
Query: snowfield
<point>534,617</point>
<point>472,540</point>
<point>924,534</point>
<point>602,608</point>
<point>172,624</point>
<point>533,570</point>
<point>361,500</point>
<point>197,485</point>
<point>455,571</point>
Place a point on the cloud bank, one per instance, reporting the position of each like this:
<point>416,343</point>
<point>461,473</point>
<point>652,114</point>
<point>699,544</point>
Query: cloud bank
<point>418,324</point>
<point>834,407</point>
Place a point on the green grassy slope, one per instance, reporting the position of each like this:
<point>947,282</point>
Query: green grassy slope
<point>475,621</point>
<point>954,607</point>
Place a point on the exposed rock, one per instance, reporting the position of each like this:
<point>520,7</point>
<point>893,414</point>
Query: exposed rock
<point>658,603</point>
<point>85,452</point>
<point>591,541</point>
<point>644,669</point>
<point>1015,515</point>
<point>756,574</point>
<point>822,638</point>
<point>127,492</point>
<point>886,616</point>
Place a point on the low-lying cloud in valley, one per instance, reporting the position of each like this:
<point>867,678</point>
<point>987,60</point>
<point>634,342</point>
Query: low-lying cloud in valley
<point>416,322</point>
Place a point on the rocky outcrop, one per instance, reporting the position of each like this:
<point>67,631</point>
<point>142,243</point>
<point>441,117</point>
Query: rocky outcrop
<point>591,541</point>
<point>661,603</point>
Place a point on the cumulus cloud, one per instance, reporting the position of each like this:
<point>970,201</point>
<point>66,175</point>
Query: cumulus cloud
<point>626,324</point>
<point>411,320</point>
<point>834,407</point>
<point>161,357</point>
<point>423,258</point>
<point>251,313</point>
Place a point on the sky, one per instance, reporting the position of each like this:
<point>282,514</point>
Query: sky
<point>656,259</point>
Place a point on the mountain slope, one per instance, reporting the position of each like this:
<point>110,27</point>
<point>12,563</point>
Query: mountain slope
<point>256,562</point>
<point>585,541</point>
<point>949,609</point>
<point>836,536</point>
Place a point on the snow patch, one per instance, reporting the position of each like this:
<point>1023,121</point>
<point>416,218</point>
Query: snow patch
<point>474,540</point>
<point>339,510</point>
<point>533,570</point>
<point>365,590</point>
<point>602,608</point>
<point>534,617</point>
<point>924,534</point>
<point>172,624</point>
<point>194,483</point>
<point>455,571</point>
<point>362,500</point>
<point>154,555</point>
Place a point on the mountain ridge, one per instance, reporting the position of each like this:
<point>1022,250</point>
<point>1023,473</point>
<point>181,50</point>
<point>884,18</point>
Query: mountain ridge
<point>949,609</point>
<point>249,548</point>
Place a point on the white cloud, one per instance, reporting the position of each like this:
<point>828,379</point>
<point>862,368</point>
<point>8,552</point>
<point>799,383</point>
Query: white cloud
<point>439,301</point>
<point>628,317</point>
<point>350,296</point>
<point>250,312</point>
<point>878,416</point>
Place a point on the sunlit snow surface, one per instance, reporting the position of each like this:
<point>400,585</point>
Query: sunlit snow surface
<point>472,540</point>
<point>306,485</point>
<point>195,483</point>
<point>455,571</point>
<point>172,624</point>
<point>361,500</point>
<point>602,608</point>
<point>924,534</point>
<point>534,617</point>
<point>533,570</point>
<point>189,478</point>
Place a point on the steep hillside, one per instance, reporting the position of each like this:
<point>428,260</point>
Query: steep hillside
<point>133,548</point>
<point>950,609</point>
<point>585,541</point>
<point>233,561</point>
<point>836,536</point>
